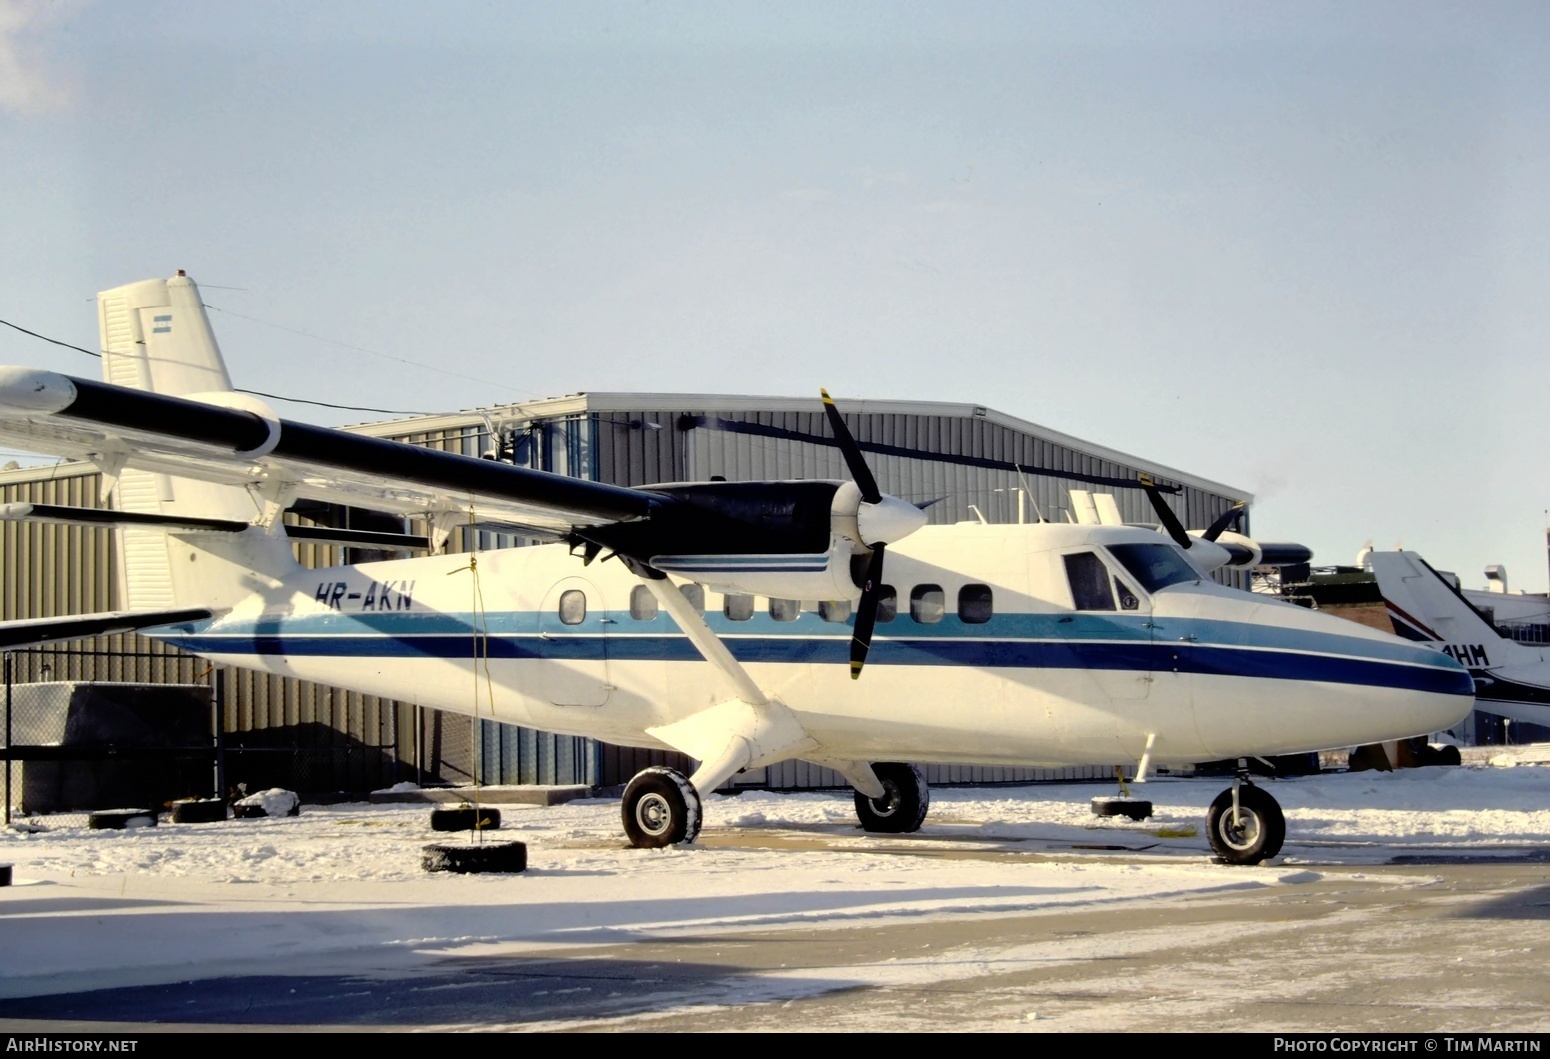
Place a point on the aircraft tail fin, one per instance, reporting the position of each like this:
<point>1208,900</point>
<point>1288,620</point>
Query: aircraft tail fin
<point>156,336</point>
<point>1425,607</point>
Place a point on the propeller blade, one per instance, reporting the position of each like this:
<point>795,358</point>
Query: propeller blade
<point>1225,519</point>
<point>1165,513</point>
<point>866,613</point>
<point>860,473</point>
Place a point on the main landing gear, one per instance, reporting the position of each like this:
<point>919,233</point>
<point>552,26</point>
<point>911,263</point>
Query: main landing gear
<point>903,805</point>
<point>660,808</point>
<point>1244,824</point>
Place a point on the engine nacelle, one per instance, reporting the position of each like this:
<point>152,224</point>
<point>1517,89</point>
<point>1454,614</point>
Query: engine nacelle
<point>786,540</point>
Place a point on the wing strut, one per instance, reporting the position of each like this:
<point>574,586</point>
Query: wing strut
<point>746,731</point>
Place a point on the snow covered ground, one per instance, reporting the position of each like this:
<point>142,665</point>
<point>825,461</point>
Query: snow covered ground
<point>340,889</point>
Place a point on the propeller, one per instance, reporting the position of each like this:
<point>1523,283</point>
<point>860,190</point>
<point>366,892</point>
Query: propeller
<point>1216,547</point>
<point>1165,514</point>
<point>1225,519</point>
<point>880,520</point>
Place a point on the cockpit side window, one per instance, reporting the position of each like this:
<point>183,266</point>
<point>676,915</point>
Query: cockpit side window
<point>1089,582</point>
<point>1155,565</point>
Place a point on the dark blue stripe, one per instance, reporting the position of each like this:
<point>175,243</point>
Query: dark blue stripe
<point>1140,657</point>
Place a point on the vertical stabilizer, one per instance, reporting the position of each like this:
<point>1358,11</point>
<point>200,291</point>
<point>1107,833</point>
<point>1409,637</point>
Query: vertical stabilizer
<point>155,336</point>
<point>1425,607</point>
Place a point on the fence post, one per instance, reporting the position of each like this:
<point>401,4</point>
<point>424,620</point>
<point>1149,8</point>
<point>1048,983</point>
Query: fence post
<point>8,739</point>
<point>218,721</point>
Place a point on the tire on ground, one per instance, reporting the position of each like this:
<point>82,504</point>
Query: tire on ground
<point>1257,838</point>
<point>902,808</point>
<point>1135,808</point>
<point>660,808</point>
<point>465,819</point>
<point>120,819</point>
<point>467,860</point>
<point>198,811</point>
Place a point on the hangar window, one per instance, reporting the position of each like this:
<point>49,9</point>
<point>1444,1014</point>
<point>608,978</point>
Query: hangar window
<point>643,605</point>
<point>737,608</point>
<point>695,594</point>
<point>927,604</point>
<point>785,609</point>
<point>573,606</point>
<point>887,604</point>
<point>974,604</point>
<point>834,610</point>
<point>1089,582</point>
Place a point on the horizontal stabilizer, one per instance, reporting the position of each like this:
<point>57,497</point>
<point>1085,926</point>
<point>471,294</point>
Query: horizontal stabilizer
<point>98,516</point>
<point>31,631</point>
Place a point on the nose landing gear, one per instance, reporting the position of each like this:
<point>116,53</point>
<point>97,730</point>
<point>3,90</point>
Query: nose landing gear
<point>1245,825</point>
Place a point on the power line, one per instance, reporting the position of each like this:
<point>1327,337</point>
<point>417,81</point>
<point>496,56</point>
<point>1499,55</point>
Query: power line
<point>255,393</point>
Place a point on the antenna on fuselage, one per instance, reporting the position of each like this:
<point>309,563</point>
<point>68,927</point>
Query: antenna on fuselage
<point>1028,492</point>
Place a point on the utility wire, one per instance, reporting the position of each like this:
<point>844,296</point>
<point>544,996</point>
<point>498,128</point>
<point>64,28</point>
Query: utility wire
<point>255,393</point>
<point>373,352</point>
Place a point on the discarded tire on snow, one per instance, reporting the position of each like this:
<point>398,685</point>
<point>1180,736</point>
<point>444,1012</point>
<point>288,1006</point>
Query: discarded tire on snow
<point>1135,808</point>
<point>274,802</point>
<point>466,819</point>
<point>198,811</point>
<point>120,819</point>
<point>467,860</point>
<point>5,875</point>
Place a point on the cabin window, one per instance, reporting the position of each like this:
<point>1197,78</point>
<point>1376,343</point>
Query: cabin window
<point>927,604</point>
<point>1089,582</point>
<point>573,606</point>
<point>974,604</point>
<point>887,604</point>
<point>737,608</point>
<point>695,594</point>
<point>643,605</point>
<point>834,609</point>
<point>1155,565</point>
<point>785,609</point>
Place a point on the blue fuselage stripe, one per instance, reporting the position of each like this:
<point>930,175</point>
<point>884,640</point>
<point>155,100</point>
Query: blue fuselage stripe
<point>1105,644</point>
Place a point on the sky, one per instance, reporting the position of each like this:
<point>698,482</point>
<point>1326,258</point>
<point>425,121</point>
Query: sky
<point>1300,249</point>
<point>334,900</point>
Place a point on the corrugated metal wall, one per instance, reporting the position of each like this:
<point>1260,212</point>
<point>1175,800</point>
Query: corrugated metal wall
<point>315,737</point>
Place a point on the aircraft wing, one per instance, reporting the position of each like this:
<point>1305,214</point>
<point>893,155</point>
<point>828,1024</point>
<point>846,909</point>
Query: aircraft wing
<point>239,441</point>
<point>29,632</point>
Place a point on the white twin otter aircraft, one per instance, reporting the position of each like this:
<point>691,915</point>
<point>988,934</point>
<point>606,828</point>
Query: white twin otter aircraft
<point>1028,645</point>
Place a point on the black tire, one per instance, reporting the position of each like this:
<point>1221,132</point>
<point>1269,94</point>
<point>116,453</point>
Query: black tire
<point>660,808</point>
<point>902,808</point>
<point>5,875</point>
<point>119,819</point>
<point>1136,808</point>
<point>1262,832</point>
<point>199,811</point>
<point>465,819</point>
<point>468,860</point>
<point>1446,754</point>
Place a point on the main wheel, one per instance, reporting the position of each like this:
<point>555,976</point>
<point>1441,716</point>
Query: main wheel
<point>1256,837</point>
<point>904,802</point>
<point>660,808</point>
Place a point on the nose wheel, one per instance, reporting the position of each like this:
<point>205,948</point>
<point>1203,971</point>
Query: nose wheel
<point>1245,825</point>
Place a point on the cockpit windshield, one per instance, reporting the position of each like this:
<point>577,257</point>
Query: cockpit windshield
<point>1154,565</point>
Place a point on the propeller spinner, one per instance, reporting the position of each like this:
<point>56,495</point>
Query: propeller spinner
<point>880,521</point>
